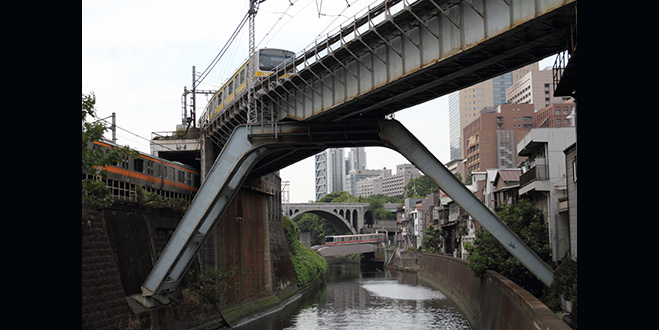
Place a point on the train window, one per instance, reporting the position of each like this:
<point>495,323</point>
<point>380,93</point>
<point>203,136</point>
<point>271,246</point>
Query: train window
<point>156,171</point>
<point>149,167</point>
<point>230,87</point>
<point>242,76</point>
<point>181,176</point>
<point>138,165</point>
<point>124,162</point>
<point>270,58</point>
<point>329,239</point>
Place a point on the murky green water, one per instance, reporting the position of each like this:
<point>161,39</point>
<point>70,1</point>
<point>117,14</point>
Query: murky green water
<point>362,297</point>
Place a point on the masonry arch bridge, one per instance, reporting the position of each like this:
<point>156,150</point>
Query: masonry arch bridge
<point>345,218</point>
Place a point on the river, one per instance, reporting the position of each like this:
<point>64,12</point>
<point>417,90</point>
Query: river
<point>358,296</point>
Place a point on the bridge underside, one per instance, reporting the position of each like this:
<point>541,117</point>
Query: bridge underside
<point>340,225</point>
<point>344,250</point>
<point>337,94</point>
<point>442,74</point>
<point>252,149</point>
<point>398,55</point>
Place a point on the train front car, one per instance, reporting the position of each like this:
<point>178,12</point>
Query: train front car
<point>264,61</point>
<point>270,58</point>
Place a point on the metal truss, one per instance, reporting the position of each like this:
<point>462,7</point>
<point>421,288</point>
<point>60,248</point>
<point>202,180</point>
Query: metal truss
<point>396,54</point>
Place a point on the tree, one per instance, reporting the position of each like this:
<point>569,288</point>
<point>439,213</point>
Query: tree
<point>432,239</point>
<point>317,226</point>
<point>420,187</point>
<point>338,197</point>
<point>93,159</point>
<point>488,254</point>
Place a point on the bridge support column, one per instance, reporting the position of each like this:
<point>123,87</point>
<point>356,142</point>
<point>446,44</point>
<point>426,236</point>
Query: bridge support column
<point>400,139</point>
<point>263,148</point>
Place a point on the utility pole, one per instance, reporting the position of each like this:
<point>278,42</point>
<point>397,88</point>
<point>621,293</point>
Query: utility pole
<point>251,98</point>
<point>193,111</point>
<point>114,128</point>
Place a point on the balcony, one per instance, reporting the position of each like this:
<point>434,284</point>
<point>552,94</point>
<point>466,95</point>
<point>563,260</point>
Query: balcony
<point>536,178</point>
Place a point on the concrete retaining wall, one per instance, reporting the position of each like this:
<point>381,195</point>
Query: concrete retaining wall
<point>492,302</point>
<point>121,244</point>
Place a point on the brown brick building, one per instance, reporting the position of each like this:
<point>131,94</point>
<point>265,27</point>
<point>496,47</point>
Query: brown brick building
<point>490,141</point>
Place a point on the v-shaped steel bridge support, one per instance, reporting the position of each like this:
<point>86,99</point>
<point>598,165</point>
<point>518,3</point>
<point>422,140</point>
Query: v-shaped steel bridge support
<point>250,148</point>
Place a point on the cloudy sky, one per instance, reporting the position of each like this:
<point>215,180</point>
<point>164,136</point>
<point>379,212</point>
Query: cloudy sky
<point>137,56</point>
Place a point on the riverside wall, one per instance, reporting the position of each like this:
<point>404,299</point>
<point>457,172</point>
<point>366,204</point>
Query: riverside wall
<point>120,245</point>
<point>491,302</point>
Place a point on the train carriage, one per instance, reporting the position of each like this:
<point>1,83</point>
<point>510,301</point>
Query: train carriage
<point>354,239</point>
<point>265,60</point>
<point>168,178</point>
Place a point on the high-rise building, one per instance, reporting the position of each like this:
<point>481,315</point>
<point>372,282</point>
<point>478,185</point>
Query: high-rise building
<point>356,159</point>
<point>330,172</point>
<point>535,87</point>
<point>466,104</point>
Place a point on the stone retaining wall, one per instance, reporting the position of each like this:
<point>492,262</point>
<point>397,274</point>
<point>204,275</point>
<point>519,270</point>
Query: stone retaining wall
<point>490,302</point>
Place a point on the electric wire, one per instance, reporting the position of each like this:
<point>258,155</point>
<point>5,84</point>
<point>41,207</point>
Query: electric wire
<point>137,135</point>
<point>219,55</point>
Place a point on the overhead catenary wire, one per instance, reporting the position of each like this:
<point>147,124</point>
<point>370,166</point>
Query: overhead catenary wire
<point>219,55</point>
<point>137,135</point>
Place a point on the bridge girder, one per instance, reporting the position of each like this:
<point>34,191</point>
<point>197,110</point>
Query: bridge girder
<point>382,63</point>
<point>245,151</point>
<point>400,54</point>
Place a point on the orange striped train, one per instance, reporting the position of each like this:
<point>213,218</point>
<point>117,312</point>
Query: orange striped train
<point>169,178</point>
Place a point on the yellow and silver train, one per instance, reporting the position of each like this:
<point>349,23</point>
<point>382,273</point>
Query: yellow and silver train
<point>266,59</point>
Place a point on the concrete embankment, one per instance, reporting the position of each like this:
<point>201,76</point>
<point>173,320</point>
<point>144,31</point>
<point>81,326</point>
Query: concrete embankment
<point>490,302</point>
<point>121,244</point>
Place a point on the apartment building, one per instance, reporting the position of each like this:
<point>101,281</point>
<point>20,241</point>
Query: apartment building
<point>387,184</point>
<point>543,181</point>
<point>535,87</point>
<point>490,141</point>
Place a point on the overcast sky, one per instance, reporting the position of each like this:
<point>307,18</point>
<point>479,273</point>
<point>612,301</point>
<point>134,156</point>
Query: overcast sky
<point>138,55</point>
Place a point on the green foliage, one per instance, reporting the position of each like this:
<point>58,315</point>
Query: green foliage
<point>487,253</point>
<point>565,280</point>
<point>156,201</point>
<point>377,206</point>
<point>339,197</point>
<point>565,284</point>
<point>420,187</point>
<point>96,194</point>
<point>317,226</point>
<point>308,265</point>
<point>209,285</point>
<point>93,159</point>
<point>432,239</point>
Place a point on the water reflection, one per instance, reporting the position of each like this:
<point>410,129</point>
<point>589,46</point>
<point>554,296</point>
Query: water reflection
<point>355,297</point>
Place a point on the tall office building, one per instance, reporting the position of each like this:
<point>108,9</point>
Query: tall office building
<point>356,159</point>
<point>330,172</point>
<point>534,87</point>
<point>466,104</point>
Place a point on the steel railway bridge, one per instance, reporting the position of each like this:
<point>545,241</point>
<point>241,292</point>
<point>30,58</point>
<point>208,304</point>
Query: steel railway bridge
<point>339,93</point>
